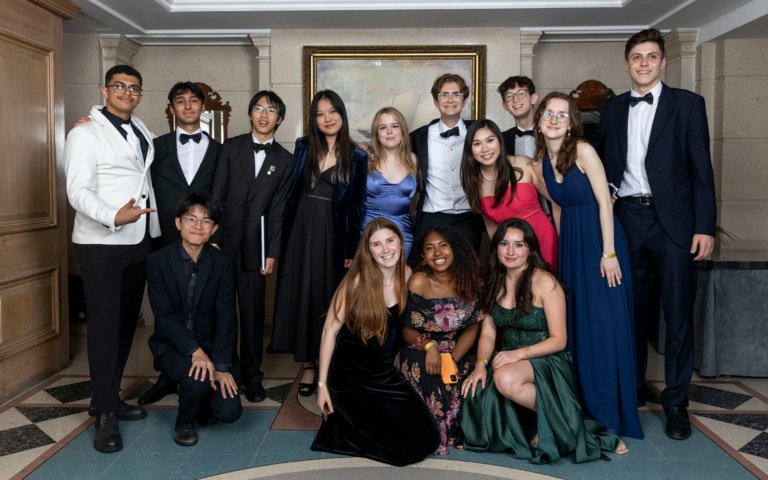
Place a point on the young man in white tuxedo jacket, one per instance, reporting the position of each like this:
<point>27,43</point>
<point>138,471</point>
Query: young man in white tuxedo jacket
<point>107,162</point>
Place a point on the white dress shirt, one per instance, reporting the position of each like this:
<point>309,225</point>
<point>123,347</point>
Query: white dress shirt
<point>443,182</point>
<point>640,121</point>
<point>258,157</point>
<point>525,145</point>
<point>191,154</point>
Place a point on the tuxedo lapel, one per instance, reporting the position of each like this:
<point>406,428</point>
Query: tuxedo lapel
<point>204,267</point>
<point>206,166</point>
<point>171,146</point>
<point>622,122</point>
<point>663,114</point>
<point>176,267</point>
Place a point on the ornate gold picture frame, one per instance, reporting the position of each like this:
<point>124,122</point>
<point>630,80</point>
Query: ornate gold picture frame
<point>371,77</point>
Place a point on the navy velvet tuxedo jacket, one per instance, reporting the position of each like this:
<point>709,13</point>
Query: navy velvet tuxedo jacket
<point>170,184</point>
<point>246,197</point>
<point>213,309</point>
<point>677,162</point>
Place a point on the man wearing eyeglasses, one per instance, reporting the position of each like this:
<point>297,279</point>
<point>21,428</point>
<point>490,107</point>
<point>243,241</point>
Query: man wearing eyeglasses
<point>192,293</point>
<point>519,97</point>
<point>439,147</point>
<point>185,160</point>
<point>107,162</point>
<point>252,181</point>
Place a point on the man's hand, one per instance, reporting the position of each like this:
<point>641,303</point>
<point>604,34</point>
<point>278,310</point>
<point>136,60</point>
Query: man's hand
<point>227,382</point>
<point>201,365</point>
<point>703,244</point>
<point>130,212</point>
<point>269,266</point>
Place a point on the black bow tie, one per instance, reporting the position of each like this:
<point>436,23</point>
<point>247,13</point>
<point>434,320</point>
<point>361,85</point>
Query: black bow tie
<point>648,97</point>
<point>523,133</point>
<point>257,147</point>
<point>184,138</point>
<point>450,133</point>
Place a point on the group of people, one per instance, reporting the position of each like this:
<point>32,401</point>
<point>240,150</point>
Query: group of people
<point>410,343</point>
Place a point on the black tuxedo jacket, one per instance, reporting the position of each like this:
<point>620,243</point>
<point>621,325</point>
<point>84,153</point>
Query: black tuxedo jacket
<point>677,162</point>
<point>170,185</point>
<point>246,197</point>
<point>508,138</point>
<point>420,147</point>
<point>213,309</point>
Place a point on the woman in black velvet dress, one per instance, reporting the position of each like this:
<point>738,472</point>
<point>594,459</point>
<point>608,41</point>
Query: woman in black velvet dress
<point>372,411</point>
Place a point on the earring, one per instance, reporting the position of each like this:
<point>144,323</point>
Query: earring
<point>569,132</point>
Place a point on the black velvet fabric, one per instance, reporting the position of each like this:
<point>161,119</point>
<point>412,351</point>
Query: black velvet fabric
<point>377,414</point>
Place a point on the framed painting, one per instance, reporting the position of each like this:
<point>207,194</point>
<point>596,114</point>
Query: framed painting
<point>371,77</point>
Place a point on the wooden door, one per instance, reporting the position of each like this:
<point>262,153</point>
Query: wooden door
<point>34,331</point>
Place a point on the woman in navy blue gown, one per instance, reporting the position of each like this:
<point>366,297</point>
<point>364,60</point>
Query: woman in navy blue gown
<point>594,266</point>
<point>391,181</point>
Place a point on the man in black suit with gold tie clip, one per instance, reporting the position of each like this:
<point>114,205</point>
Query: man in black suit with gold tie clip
<point>654,142</point>
<point>185,160</point>
<point>192,293</point>
<point>252,182</point>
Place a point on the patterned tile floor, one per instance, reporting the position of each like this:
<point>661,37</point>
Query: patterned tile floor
<point>46,433</point>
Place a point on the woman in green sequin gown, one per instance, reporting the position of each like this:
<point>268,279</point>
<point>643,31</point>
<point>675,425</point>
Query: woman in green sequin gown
<point>532,370</point>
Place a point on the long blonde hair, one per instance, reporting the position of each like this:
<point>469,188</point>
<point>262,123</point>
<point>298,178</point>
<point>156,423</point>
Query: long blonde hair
<point>366,311</point>
<point>378,154</point>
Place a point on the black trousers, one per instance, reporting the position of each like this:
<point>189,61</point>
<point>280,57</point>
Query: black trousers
<point>677,278</point>
<point>251,285</point>
<point>469,225</point>
<point>113,282</point>
<point>195,395</point>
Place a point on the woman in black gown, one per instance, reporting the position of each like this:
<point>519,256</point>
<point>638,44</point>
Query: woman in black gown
<point>322,227</point>
<point>372,411</point>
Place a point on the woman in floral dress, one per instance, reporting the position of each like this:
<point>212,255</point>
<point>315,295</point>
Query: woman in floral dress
<point>441,317</point>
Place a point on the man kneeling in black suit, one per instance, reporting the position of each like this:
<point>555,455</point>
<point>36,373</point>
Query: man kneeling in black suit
<point>192,293</point>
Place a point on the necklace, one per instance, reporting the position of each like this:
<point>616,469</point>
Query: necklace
<point>389,284</point>
<point>489,179</point>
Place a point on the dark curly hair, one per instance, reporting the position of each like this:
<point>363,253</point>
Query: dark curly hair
<point>497,286</point>
<point>465,269</point>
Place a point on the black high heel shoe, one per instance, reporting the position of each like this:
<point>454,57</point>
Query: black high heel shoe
<point>307,389</point>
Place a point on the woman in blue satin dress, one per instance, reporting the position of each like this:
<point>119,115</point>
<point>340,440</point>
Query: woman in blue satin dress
<point>594,266</point>
<point>391,183</point>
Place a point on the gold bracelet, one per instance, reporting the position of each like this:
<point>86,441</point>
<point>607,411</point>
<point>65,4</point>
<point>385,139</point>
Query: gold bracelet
<point>429,345</point>
<point>527,352</point>
<point>321,384</point>
<point>483,359</point>
<point>609,255</point>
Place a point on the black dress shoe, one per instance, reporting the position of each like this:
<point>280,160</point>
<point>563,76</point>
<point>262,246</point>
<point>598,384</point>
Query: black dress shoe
<point>107,439</point>
<point>185,435</point>
<point>162,387</point>
<point>127,412</point>
<point>678,425</point>
<point>255,393</point>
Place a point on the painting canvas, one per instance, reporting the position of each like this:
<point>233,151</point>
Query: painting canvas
<point>369,78</point>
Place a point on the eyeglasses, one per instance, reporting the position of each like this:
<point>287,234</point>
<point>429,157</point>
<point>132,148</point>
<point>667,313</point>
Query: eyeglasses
<point>261,109</point>
<point>447,95</point>
<point>193,221</point>
<point>516,94</point>
<point>561,117</point>
<point>119,87</point>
